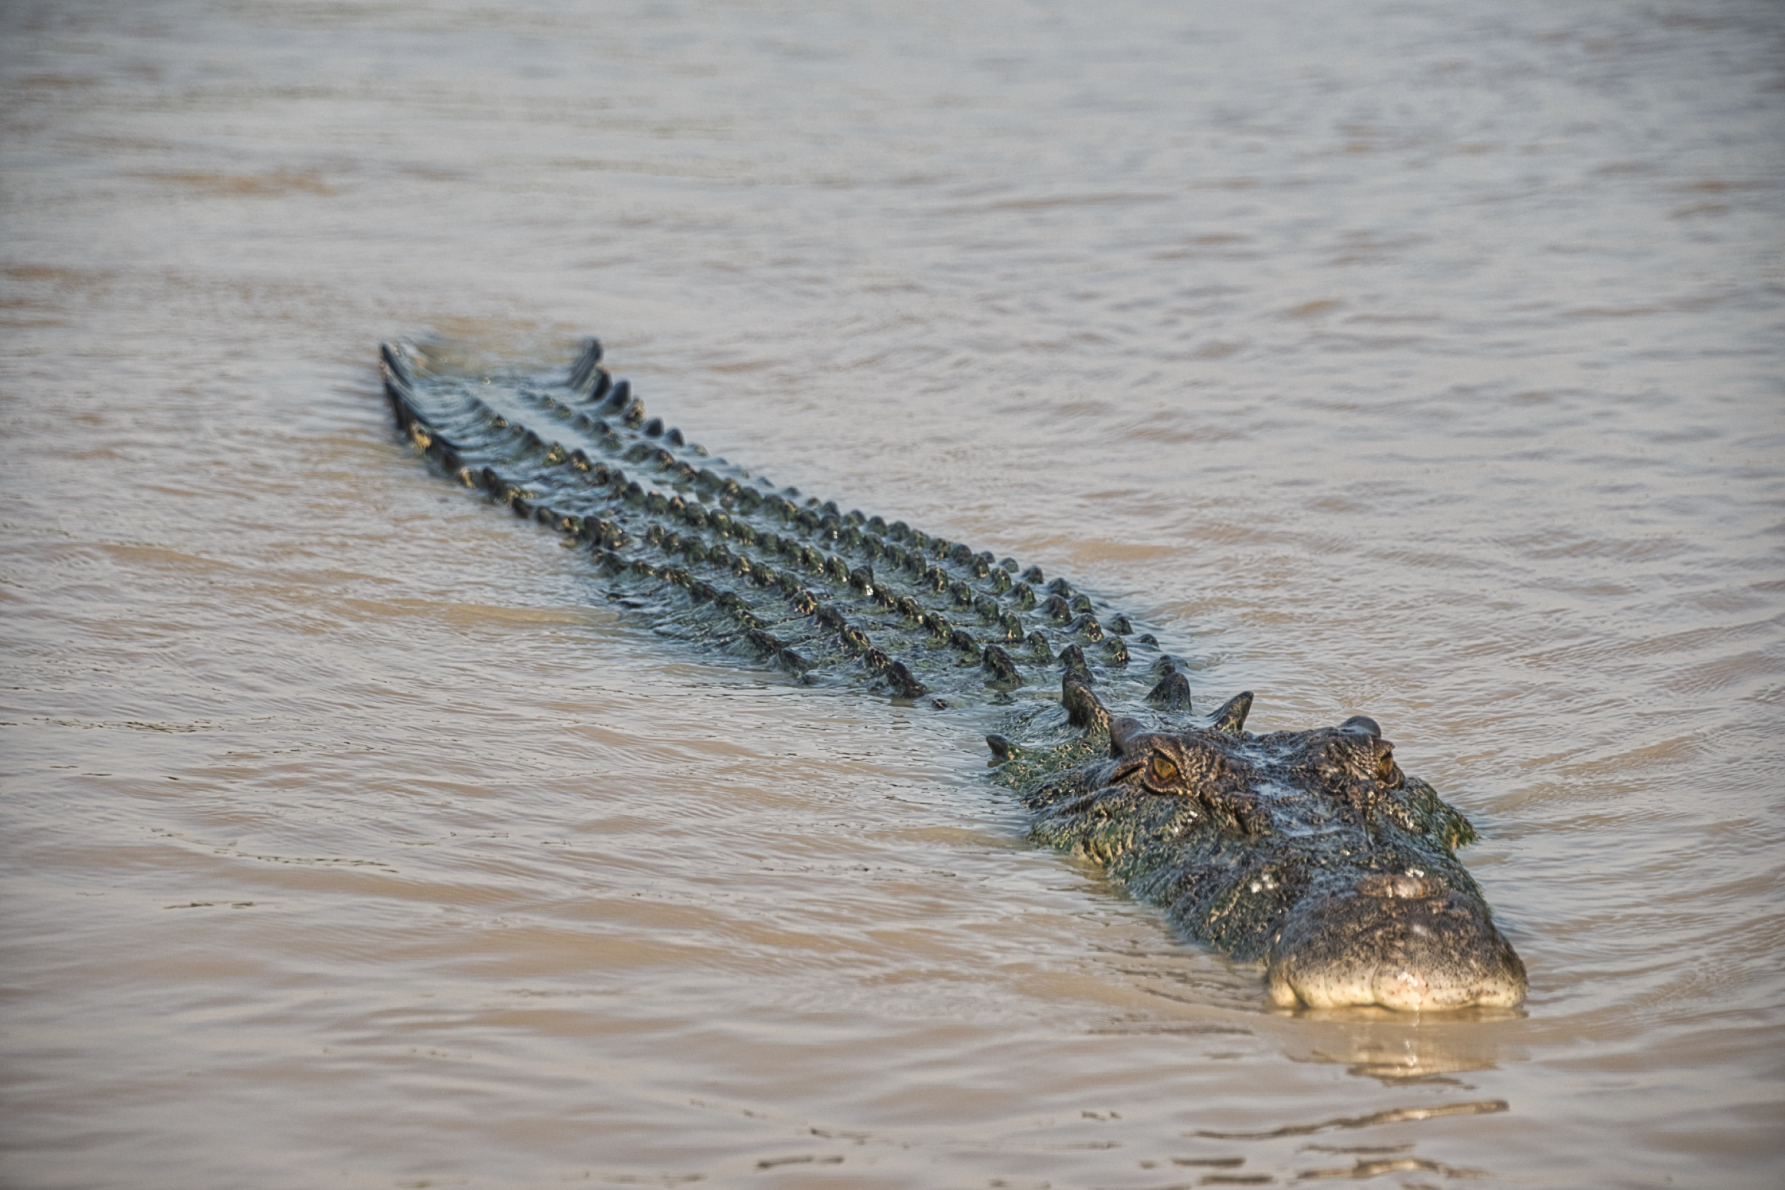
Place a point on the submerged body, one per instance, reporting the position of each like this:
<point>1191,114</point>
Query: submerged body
<point>1309,851</point>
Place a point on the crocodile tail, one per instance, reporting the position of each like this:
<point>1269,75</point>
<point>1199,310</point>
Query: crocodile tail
<point>720,555</point>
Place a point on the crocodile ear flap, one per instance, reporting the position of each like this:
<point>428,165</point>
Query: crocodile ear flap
<point>1082,708</point>
<point>1231,718</point>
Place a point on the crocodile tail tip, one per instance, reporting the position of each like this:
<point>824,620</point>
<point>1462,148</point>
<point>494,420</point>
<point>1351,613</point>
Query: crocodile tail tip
<point>395,363</point>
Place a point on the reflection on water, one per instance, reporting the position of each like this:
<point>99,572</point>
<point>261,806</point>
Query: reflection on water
<point>1413,361</point>
<point>1425,1051</point>
<point>1397,1115</point>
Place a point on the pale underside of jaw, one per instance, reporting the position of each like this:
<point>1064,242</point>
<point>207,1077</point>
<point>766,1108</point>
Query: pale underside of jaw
<point>1391,985</point>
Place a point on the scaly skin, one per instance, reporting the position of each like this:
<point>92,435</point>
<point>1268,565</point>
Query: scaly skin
<point>1309,850</point>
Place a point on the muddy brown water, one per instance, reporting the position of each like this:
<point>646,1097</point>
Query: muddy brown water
<point>1419,360</point>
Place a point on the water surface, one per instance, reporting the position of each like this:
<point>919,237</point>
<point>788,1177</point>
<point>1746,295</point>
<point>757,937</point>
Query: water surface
<point>1419,360</point>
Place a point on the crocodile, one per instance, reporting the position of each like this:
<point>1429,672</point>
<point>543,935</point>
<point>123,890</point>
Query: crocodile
<point>1308,852</point>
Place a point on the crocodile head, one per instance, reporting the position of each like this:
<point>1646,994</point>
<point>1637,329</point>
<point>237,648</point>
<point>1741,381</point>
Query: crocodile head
<point>1310,850</point>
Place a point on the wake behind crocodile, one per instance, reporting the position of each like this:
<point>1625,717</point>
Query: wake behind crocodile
<point>1308,851</point>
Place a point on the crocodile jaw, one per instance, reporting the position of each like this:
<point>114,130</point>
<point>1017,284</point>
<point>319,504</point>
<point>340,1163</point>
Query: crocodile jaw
<point>1397,941</point>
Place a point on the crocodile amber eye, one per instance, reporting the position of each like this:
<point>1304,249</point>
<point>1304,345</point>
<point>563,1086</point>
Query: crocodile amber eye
<point>1161,771</point>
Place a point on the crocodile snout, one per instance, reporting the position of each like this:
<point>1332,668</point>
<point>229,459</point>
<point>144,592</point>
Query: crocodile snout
<point>1404,941</point>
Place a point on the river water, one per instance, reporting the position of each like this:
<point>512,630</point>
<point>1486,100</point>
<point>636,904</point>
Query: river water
<point>1416,359</point>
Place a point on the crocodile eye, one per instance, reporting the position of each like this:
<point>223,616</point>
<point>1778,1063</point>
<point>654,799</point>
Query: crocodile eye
<point>1161,771</point>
